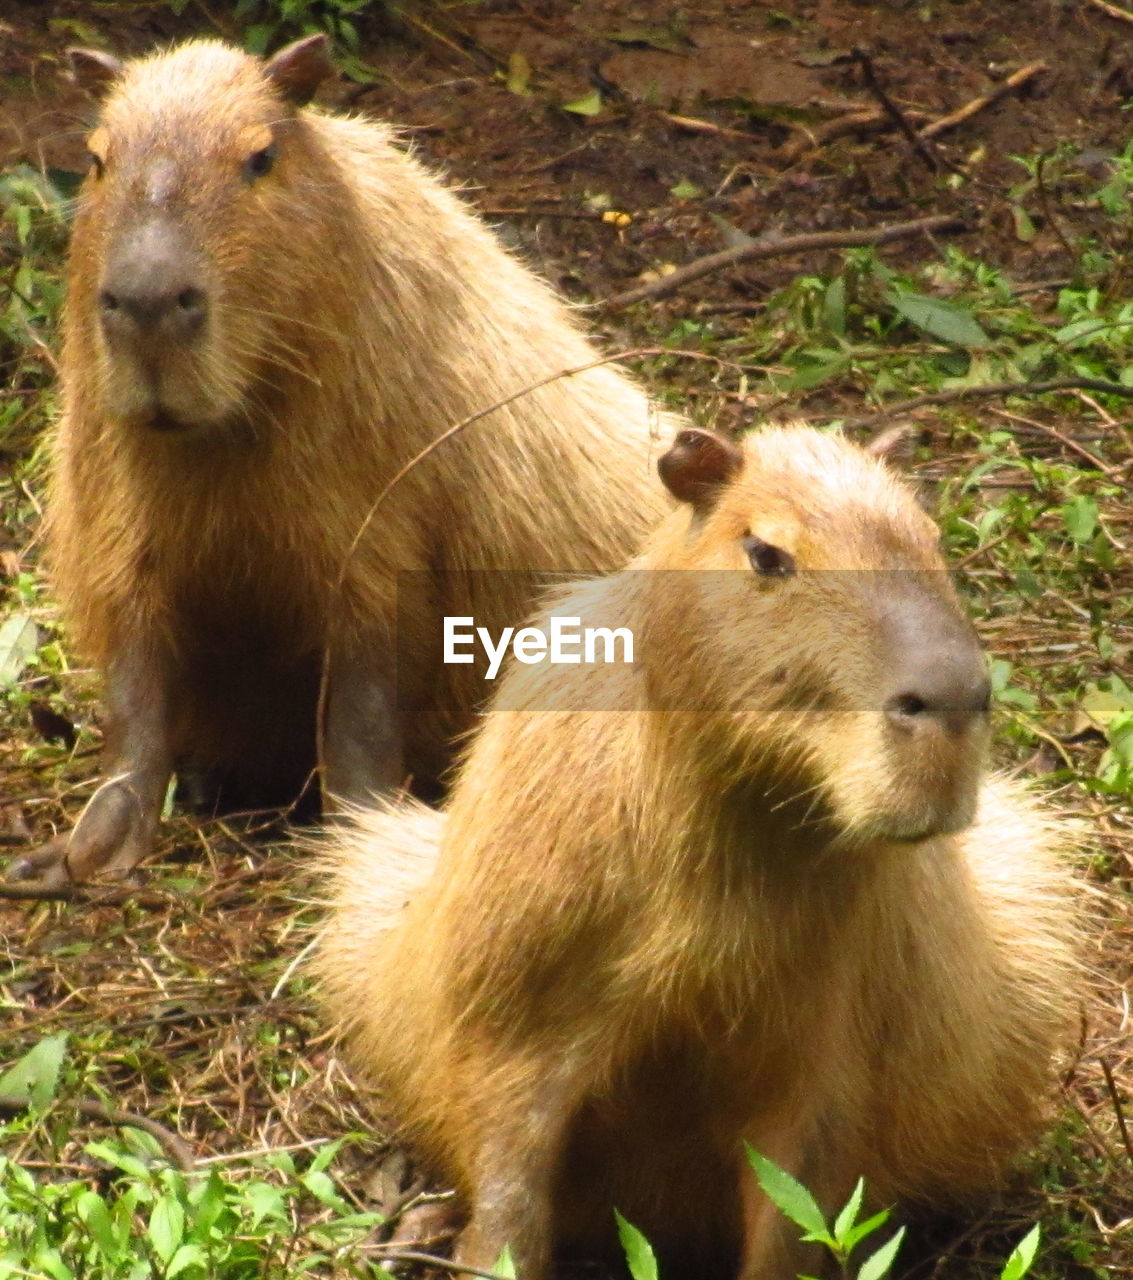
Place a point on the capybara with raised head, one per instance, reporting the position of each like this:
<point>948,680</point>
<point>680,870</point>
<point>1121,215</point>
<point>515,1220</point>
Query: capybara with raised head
<point>270,311</point>
<point>753,887</point>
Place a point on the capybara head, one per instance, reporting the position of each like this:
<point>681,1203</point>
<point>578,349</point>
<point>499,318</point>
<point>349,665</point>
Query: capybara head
<point>839,656</point>
<point>202,181</point>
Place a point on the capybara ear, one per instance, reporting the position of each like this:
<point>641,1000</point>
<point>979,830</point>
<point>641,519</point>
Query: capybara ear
<point>698,465</point>
<point>894,445</point>
<point>299,68</point>
<point>94,70</point>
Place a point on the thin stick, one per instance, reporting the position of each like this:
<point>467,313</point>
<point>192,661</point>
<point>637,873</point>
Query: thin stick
<point>691,124</point>
<point>1113,10</point>
<point>991,389</point>
<point>173,1145</point>
<point>779,246</point>
<point>916,140</point>
<point>1119,1110</point>
<point>852,122</point>
<point>1062,439</point>
<point>446,1264</point>
<point>1013,81</point>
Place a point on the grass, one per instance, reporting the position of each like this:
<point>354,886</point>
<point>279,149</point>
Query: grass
<point>181,1003</point>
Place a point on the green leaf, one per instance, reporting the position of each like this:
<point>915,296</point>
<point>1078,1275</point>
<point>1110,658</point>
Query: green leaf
<point>166,1227</point>
<point>834,306</point>
<point>19,640</point>
<point>878,1264</point>
<point>92,1212</point>
<point>518,74</point>
<point>589,105</point>
<point>505,1264</point>
<point>939,319</point>
<point>1022,1256</point>
<point>857,1234</point>
<point>640,1258</point>
<point>788,1195</point>
<point>849,1214</point>
<point>36,1075</point>
<point>1080,515</point>
<point>187,1255</point>
<point>686,191</point>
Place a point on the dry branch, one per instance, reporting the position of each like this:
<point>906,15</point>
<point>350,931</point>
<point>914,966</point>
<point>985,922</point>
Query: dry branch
<point>1013,81</point>
<point>172,1144</point>
<point>1113,10</point>
<point>991,389</point>
<point>779,246</point>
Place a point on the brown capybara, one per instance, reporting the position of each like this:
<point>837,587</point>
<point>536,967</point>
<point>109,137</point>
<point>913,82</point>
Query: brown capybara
<point>270,311</point>
<point>752,887</point>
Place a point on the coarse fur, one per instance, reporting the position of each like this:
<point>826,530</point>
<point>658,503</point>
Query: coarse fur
<point>208,494</point>
<point>733,892</point>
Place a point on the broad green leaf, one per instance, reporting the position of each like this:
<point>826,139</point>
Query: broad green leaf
<point>119,1159</point>
<point>1080,515</point>
<point>36,1075</point>
<point>849,1214</point>
<point>166,1227</point>
<point>686,191</point>
<point>187,1255</point>
<point>640,1258</point>
<point>789,1195</point>
<point>19,640</point>
<point>878,1264</point>
<point>939,319</point>
<point>1022,1256</point>
<point>95,1216</point>
<point>589,105</point>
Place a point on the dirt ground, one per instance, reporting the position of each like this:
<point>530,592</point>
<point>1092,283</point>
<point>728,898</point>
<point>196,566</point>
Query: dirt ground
<point>709,123</point>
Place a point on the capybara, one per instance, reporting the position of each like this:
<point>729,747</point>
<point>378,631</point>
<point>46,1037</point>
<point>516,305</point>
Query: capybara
<point>753,887</point>
<point>270,311</point>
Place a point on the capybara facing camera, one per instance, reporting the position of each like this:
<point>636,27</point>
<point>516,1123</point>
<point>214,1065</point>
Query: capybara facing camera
<point>270,311</point>
<point>755,887</point>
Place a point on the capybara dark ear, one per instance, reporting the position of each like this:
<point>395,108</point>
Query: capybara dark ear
<point>299,68</point>
<point>895,445</point>
<point>94,70</point>
<point>698,465</point>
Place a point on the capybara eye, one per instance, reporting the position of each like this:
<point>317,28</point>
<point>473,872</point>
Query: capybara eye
<point>96,164</point>
<point>259,163</point>
<point>771,561</point>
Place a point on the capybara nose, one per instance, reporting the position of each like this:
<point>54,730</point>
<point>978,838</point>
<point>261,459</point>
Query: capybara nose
<point>948,687</point>
<point>152,287</point>
<point>154,305</point>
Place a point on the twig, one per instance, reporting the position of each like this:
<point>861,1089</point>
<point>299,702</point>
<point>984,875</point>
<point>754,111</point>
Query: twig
<point>991,389</point>
<point>1013,81</point>
<point>173,1145</point>
<point>916,140</point>
<point>692,124</point>
<point>1062,439</point>
<point>852,122</point>
<point>778,246</point>
<point>1119,1110</point>
<point>1113,10</point>
<point>460,1268</point>
<point>92,894</point>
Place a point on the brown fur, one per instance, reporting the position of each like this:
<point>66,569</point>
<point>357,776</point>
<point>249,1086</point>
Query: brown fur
<point>752,909</point>
<point>202,511</point>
